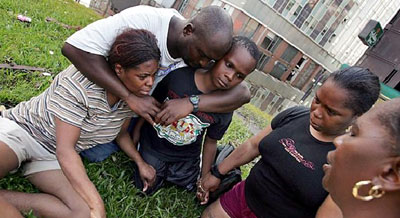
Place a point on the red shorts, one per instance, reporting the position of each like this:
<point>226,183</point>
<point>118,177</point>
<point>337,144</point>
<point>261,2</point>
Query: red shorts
<point>234,202</point>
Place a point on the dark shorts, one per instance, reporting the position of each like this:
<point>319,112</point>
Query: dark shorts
<point>234,202</point>
<point>183,173</point>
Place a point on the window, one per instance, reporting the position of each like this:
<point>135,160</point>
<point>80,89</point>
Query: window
<point>250,28</point>
<point>305,75</point>
<point>390,76</point>
<point>301,62</point>
<point>271,42</point>
<point>262,61</point>
<point>289,53</point>
<point>313,25</point>
<point>289,5</point>
<point>278,4</point>
<point>268,40</point>
<point>305,25</point>
<point>275,43</point>
<point>297,12</point>
<point>278,70</point>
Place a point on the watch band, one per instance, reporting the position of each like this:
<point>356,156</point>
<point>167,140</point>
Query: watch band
<point>215,172</point>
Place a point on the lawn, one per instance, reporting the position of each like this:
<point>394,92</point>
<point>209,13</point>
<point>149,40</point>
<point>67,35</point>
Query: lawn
<point>38,44</point>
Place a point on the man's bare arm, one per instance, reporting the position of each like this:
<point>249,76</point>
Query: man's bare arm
<point>96,69</point>
<point>217,102</point>
<point>226,100</point>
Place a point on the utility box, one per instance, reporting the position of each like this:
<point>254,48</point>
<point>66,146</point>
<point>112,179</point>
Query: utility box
<point>371,33</point>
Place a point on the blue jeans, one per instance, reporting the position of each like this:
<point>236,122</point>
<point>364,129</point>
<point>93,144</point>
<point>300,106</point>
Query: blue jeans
<point>102,151</point>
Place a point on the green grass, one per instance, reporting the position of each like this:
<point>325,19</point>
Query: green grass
<point>113,179</point>
<point>31,44</point>
<point>256,116</point>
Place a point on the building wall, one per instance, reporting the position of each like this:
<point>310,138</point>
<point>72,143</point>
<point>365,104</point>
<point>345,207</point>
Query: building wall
<point>285,73</point>
<point>331,24</point>
<point>280,26</point>
<point>384,58</point>
<point>346,47</point>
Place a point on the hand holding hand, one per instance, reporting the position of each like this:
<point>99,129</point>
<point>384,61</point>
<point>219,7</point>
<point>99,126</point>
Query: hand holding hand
<point>146,107</point>
<point>202,194</point>
<point>210,182</point>
<point>172,110</point>
<point>205,185</point>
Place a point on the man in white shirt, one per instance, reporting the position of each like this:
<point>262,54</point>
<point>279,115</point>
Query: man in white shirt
<point>197,42</point>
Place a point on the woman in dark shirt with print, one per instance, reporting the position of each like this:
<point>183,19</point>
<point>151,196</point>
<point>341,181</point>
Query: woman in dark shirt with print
<point>286,181</point>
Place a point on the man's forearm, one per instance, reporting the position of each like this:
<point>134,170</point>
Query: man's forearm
<point>226,100</point>
<point>96,69</point>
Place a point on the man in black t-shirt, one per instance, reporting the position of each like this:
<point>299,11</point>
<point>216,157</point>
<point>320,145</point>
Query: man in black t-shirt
<point>173,152</point>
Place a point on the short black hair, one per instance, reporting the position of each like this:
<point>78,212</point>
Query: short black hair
<point>242,41</point>
<point>362,86</point>
<point>212,20</point>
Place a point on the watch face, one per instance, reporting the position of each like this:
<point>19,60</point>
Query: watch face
<point>194,99</point>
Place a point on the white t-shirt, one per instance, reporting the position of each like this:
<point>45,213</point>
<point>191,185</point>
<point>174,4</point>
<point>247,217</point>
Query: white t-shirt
<point>97,37</point>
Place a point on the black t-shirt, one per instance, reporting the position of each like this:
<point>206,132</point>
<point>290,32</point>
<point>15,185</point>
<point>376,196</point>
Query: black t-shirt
<point>180,83</point>
<point>287,180</point>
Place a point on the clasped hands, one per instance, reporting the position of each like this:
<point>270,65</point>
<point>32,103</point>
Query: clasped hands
<point>205,185</point>
<point>154,112</point>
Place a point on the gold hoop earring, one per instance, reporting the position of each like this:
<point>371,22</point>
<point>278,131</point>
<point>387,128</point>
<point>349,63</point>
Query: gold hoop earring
<point>375,191</point>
